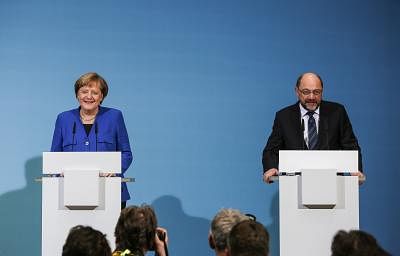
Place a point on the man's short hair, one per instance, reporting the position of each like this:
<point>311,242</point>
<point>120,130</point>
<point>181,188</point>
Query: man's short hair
<point>222,224</point>
<point>136,229</point>
<point>86,241</point>
<point>248,238</point>
<point>298,82</point>
<point>355,243</point>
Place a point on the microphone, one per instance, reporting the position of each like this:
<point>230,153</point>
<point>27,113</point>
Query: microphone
<point>73,136</point>
<point>96,131</point>
<point>303,143</point>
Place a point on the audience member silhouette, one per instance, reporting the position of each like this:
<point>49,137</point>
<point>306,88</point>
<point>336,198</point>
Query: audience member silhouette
<point>137,232</point>
<point>248,238</point>
<point>356,243</point>
<point>221,225</point>
<point>86,241</point>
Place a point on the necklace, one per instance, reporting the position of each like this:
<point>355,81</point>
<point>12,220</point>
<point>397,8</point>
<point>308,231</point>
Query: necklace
<point>87,119</point>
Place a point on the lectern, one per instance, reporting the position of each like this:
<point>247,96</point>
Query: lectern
<point>316,199</point>
<point>79,188</point>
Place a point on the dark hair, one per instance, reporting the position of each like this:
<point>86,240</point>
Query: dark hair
<point>86,241</point>
<point>248,238</point>
<point>355,243</point>
<point>91,77</point>
<point>301,77</point>
<point>136,229</point>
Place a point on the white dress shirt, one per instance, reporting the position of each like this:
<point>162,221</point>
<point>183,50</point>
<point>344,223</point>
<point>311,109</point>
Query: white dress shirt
<point>305,118</point>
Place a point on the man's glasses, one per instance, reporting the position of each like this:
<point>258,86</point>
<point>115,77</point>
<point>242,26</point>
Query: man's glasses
<point>306,92</point>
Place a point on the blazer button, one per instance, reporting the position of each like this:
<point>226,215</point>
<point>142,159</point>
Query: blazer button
<point>87,143</point>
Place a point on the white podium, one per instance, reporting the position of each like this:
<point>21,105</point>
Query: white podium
<point>75,192</point>
<point>314,201</point>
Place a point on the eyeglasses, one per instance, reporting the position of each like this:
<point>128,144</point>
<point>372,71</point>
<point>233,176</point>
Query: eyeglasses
<point>306,92</point>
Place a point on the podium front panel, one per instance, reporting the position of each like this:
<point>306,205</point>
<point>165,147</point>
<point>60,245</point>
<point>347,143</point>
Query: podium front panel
<point>57,219</point>
<point>309,231</point>
<point>305,231</point>
<point>104,210</point>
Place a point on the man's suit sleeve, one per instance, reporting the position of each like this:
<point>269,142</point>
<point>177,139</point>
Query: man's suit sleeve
<point>348,140</point>
<point>270,158</point>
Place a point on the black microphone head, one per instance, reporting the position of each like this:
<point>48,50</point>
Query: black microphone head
<point>303,143</point>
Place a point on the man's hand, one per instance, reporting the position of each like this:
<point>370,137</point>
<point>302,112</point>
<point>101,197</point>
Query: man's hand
<point>161,238</point>
<point>268,174</point>
<point>361,177</point>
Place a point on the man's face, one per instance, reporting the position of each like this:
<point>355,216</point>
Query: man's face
<point>309,92</point>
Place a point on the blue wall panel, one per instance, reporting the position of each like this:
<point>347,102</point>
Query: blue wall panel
<point>198,83</point>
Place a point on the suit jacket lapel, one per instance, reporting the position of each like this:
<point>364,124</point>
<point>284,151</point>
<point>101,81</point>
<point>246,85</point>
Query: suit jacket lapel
<point>295,121</point>
<point>321,127</point>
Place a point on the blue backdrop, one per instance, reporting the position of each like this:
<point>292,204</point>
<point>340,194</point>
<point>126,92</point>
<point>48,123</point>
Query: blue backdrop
<point>198,83</point>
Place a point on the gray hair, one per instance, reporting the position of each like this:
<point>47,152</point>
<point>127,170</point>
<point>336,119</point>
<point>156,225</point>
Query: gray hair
<point>222,224</point>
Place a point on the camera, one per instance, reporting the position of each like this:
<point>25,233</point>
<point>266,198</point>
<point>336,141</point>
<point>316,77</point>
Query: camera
<point>161,235</point>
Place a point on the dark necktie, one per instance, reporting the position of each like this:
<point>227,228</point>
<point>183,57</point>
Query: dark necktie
<point>312,131</point>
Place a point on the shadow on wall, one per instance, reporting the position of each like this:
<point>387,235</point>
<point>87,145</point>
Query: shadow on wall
<point>187,235</point>
<point>20,213</point>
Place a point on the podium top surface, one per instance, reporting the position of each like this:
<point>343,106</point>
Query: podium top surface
<point>57,162</point>
<point>296,160</point>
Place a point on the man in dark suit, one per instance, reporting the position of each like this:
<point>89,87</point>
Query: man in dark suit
<point>311,123</point>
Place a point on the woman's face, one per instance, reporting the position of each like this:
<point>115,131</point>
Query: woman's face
<point>90,97</point>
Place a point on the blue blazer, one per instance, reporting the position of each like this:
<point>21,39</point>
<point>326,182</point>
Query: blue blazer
<point>108,133</point>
